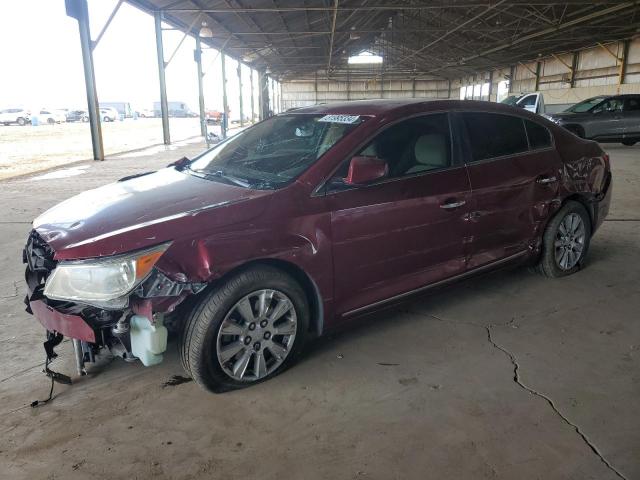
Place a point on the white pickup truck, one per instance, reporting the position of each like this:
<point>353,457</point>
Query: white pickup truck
<point>529,101</point>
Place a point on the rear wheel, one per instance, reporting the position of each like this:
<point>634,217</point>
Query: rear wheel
<point>565,241</point>
<point>21,121</point>
<point>50,121</point>
<point>247,330</point>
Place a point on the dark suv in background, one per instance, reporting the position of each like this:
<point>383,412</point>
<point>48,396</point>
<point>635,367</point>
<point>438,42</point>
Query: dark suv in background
<point>605,119</point>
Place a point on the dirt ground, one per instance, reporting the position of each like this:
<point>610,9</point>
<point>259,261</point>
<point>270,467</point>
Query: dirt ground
<point>507,376</point>
<point>34,148</point>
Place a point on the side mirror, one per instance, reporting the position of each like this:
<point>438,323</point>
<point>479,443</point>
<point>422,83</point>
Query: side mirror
<point>363,170</point>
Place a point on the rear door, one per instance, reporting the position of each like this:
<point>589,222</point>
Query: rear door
<point>514,172</point>
<point>405,231</point>
<point>631,118</point>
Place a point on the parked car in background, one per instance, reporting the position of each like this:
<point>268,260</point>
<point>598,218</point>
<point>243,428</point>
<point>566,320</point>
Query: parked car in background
<point>289,228</point>
<point>146,113</point>
<point>213,117</point>
<point>48,116</point>
<point>532,102</point>
<point>122,108</point>
<point>109,114</point>
<point>606,119</point>
<point>77,116</point>
<point>18,116</point>
<point>176,109</point>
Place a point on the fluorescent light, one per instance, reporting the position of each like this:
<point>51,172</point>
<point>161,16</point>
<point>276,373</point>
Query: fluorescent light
<point>365,57</point>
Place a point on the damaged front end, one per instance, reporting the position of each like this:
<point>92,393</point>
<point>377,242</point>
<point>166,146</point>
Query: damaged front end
<point>118,302</point>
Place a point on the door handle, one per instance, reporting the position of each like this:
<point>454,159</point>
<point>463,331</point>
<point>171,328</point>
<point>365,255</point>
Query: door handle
<point>452,205</point>
<point>546,180</point>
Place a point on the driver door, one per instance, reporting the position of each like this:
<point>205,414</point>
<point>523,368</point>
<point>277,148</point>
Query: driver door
<point>405,231</point>
<point>607,122</point>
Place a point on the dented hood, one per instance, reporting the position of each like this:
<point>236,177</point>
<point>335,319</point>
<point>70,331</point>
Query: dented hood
<point>143,211</point>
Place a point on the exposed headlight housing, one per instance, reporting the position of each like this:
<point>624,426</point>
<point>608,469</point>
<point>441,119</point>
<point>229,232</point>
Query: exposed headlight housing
<point>102,282</point>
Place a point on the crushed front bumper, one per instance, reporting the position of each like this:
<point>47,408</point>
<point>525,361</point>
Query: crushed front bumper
<point>72,326</point>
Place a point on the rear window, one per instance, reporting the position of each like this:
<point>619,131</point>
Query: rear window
<point>494,135</point>
<point>539,136</point>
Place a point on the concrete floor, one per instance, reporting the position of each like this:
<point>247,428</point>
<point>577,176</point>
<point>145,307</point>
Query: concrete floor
<point>507,376</point>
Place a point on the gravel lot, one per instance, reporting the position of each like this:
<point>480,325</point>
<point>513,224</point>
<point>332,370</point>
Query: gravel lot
<point>32,149</point>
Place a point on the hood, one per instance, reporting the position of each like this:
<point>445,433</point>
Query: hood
<point>569,115</point>
<point>143,211</point>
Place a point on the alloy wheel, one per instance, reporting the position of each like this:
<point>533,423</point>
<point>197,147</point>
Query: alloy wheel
<point>256,335</point>
<point>570,241</point>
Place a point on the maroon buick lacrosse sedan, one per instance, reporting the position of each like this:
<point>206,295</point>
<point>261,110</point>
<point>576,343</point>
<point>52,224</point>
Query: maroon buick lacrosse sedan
<point>283,231</point>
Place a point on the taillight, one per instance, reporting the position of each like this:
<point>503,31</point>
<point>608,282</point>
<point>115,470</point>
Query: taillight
<point>605,157</point>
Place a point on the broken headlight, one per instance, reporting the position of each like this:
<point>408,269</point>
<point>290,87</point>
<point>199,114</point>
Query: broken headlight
<point>102,282</point>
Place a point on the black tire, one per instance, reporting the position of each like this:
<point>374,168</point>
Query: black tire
<point>106,119</point>
<point>85,119</point>
<point>629,143</point>
<point>51,121</point>
<point>547,264</point>
<point>198,339</point>
<point>21,121</point>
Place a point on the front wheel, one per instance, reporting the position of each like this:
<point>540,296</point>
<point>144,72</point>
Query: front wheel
<point>565,241</point>
<point>629,143</point>
<point>245,331</point>
<point>21,121</point>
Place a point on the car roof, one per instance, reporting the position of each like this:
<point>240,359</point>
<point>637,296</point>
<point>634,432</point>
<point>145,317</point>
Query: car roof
<point>382,107</point>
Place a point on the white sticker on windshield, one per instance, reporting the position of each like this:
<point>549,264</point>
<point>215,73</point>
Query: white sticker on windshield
<point>339,118</point>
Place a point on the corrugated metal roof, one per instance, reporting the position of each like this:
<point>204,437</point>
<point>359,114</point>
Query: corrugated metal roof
<point>417,38</point>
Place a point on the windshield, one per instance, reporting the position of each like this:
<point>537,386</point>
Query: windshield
<point>274,152</point>
<point>512,99</point>
<point>585,105</point>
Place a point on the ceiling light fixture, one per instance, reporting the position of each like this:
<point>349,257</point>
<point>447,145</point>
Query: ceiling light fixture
<point>205,32</point>
<point>365,58</point>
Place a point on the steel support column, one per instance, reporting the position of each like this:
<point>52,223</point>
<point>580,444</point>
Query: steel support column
<point>490,86</point>
<point>263,95</point>
<point>198,58</point>
<point>240,95</point>
<point>623,62</point>
<point>512,77</point>
<point>224,121</point>
<point>253,107</point>
<point>315,89</point>
<point>538,68</point>
<point>79,10</point>
<point>575,60</point>
<point>164,105</point>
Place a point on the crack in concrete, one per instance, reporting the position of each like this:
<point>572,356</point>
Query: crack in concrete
<point>518,381</point>
<point>516,378</point>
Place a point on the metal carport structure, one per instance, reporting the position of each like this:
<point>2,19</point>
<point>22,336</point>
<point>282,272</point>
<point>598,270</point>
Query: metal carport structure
<point>289,40</point>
